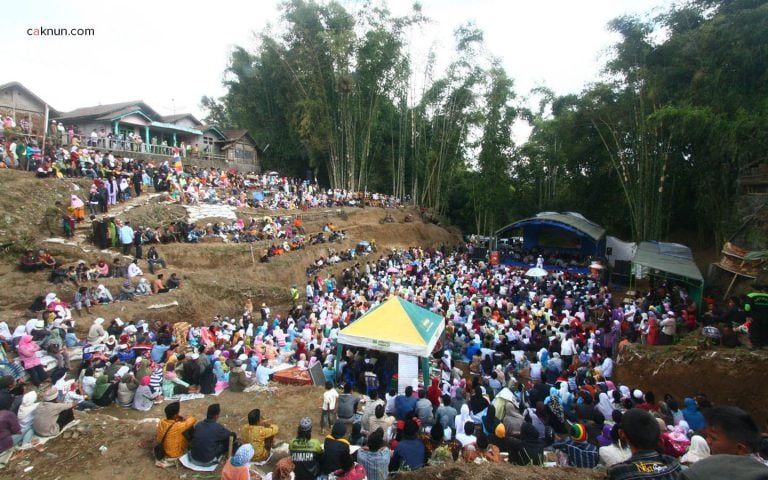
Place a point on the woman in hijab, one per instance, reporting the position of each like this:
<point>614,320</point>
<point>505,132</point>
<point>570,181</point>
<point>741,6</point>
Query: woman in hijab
<point>555,411</point>
<point>699,450</point>
<point>143,287</point>
<point>238,466</point>
<point>103,295</point>
<point>527,450</point>
<point>26,416</point>
<point>207,377</point>
<point>604,405</point>
<point>104,392</point>
<point>27,350</point>
<point>144,398</point>
<point>693,416</point>
<point>462,418</point>
<point>490,422</point>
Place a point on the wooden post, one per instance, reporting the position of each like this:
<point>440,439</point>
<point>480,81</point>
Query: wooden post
<point>229,450</point>
<point>253,259</point>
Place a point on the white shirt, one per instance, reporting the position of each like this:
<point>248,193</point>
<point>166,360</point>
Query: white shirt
<point>567,347</point>
<point>329,399</point>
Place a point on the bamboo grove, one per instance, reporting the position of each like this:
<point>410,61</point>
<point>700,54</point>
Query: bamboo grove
<point>654,145</point>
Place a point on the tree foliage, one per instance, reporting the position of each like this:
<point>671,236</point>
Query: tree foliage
<point>655,145</point>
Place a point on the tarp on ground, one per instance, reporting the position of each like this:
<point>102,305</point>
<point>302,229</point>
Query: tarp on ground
<point>396,326</point>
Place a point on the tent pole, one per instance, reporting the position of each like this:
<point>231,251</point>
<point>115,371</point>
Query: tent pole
<point>338,361</point>
<point>425,371</point>
<point>730,286</point>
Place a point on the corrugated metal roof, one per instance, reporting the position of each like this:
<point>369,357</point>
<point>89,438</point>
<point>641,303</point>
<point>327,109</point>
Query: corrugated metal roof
<point>171,126</point>
<point>668,257</point>
<point>571,219</point>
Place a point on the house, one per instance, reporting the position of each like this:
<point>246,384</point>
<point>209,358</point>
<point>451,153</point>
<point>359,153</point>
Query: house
<point>24,107</point>
<point>129,119</point>
<point>134,126</point>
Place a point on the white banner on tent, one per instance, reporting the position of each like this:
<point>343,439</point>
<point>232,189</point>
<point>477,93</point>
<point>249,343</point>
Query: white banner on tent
<point>407,371</point>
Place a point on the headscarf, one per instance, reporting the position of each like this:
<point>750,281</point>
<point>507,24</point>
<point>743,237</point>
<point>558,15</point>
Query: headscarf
<point>20,331</point>
<point>28,405</point>
<point>101,387</point>
<point>698,450</point>
<point>692,415</point>
<point>243,455</point>
<point>5,332</point>
<point>283,469</point>
<point>490,422</point>
<point>604,405</point>
<point>463,418</point>
<point>145,381</point>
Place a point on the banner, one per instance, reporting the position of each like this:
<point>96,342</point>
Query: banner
<point>407,371</point>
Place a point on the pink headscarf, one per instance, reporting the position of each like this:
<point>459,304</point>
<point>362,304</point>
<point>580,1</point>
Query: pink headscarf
<point>145,381</point>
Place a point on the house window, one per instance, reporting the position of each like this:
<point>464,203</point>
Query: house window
<point>243,154</point>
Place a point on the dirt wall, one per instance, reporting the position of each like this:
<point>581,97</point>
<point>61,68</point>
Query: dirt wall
<point>728,376</point>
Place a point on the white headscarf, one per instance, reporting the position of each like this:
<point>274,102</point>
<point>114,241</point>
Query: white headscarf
<point>20,331</point>
<point>698,450</point>
<point>462,418</point>
<point>49,298</point>
<point>5,332</point>
<point>604,406</point>
<point>28,406</point>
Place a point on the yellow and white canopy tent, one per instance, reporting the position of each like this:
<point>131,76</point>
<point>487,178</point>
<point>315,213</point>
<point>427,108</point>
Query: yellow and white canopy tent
<point>396,326</point>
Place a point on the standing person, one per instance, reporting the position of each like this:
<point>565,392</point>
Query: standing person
<point>306,452</point>
<point>641,431</point>
<point>347,405</point>
<point>126,235</point>
<point>756,311</point>
<point>211,439</point>
<point>260,435</point>
<point>330,398</point>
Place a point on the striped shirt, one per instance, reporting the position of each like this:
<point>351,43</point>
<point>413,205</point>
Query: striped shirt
<point>580,454</point>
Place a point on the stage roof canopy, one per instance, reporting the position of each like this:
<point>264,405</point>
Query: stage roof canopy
<point>569,220</point>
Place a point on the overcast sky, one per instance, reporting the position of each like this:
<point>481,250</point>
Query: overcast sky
<point>170,53</point>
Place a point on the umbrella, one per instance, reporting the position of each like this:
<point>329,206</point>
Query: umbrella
<point>393,270</point>
<point>536,273</point>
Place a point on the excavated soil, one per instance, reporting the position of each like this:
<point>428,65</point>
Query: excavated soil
<point>727,376</point>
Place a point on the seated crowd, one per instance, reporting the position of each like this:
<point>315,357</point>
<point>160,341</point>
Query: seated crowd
<point>540,355</point>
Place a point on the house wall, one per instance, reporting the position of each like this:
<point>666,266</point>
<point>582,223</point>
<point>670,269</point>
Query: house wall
<point>243,152</point>
<point>16,99</point>
<point>135,120</point>
<point>17,104</point>
<point>187,122</point>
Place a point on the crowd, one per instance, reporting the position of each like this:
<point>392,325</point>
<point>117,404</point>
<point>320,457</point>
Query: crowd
<point>539,387</point>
